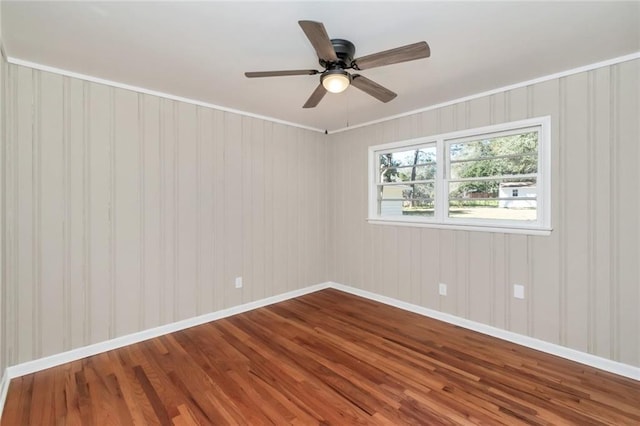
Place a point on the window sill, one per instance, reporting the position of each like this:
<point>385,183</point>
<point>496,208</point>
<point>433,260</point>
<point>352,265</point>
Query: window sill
<point>459,227</point>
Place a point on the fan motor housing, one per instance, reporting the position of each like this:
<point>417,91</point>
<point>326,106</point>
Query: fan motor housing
<point>345,51</point>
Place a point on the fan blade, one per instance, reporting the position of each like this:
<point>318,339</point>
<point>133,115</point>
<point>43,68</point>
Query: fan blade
<point>319,39</point>
<point>315,97</point>
<point>406,53</point>
<point>279,73</point>
<point>372,88</point>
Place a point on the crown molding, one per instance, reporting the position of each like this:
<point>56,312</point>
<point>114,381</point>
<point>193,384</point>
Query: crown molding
<point>590,67</point>
<point>606,63</point>
<point>67,73</point>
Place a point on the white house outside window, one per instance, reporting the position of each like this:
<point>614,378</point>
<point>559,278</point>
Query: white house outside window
<point>493,178</point>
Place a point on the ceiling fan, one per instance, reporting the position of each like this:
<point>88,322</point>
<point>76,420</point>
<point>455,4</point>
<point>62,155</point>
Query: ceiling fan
<point>336,56</point>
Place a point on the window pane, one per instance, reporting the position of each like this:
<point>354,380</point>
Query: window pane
<point>505,155</point>
<point>407,200</point>
<point>494,199</point>
<point>407,165</point>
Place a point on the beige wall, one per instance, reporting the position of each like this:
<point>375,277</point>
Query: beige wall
<point>3,65</point>
<point>582,282</point>
<point>126,211</point>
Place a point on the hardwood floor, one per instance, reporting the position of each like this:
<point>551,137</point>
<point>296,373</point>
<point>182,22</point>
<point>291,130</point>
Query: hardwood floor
<point>324,358</point>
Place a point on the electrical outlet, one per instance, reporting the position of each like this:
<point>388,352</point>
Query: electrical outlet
<point>238,282</point>
<point>518,291</point>
<point>442,289</point>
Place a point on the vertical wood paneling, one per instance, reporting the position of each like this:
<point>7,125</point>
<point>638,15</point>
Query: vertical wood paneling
<point>126,211</point>
<point>257,246</point>
<point>350,226</point>
<point>387,252</point>
<point>574,198</point>
<point>448,271</point>
<point>152,227</point>
<point>75,221</point>
<point>415,265</point>
<point>67,200</point>
<point>23,247</point>
<point>614,190</point>
<point>480,276</point>
<point>112,214</point>
<point>51,201</point>
<point>269,208</point>
<point>360,178</point>
<point>314,163</point>
<point>245,181</point>
<point>320,212</point>
<point>250,136</point>
<point>99,123</point>
<point>581,284</point>
<point>368,274</point>
<point>601,217</point>
<point>86,214</point>
<point>331,208</point>
<point>518,274</point>
<point>562,211</point>
<point>197,212</point>
<point>219,213</point>
<point>500,292</point>
<point>187,211</point>
<point>377,256</point>
<point>430,267</point>
<point>234,168</point>
<point>279,189</point>
<point>403,261</point>
<point>37,214</point>
<point>167,210</point>
<point>593,228</point>
<point>207,205</point>
<point>340,168</point>
<point>5,229</point>
<point>462,277</point>
<point>628,282</point>
<point>140,145</point>
<point>3,168</point>
<point>290,207</point>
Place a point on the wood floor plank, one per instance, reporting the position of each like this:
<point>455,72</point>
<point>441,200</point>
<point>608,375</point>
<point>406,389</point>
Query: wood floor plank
<point>323,358</point>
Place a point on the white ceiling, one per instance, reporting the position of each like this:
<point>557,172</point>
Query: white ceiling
<point>201,50</point>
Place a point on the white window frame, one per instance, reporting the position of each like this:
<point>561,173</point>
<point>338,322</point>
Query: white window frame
<point>542,224</point>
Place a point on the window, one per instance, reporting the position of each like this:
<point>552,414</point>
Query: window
<point>494,179</point>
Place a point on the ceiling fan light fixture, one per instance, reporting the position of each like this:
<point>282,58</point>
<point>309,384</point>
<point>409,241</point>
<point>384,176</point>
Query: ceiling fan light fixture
<point>336,55</point>
<point>335,81</point>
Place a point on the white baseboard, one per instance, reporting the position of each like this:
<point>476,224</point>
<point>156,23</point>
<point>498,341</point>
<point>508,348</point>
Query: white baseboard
<point>85,351</point>
<point>4,388</point>
<point>529,342</point>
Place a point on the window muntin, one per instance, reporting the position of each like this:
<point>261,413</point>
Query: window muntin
<point>494,178</point>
